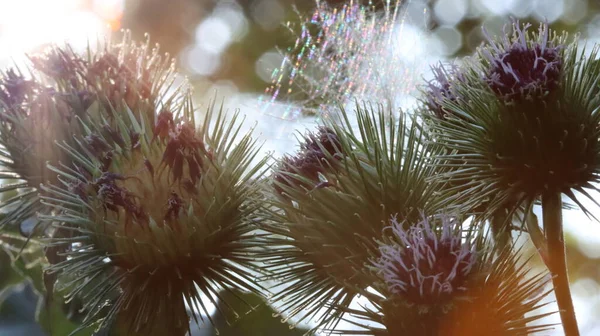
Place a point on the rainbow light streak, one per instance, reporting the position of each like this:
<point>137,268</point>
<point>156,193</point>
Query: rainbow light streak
<point>342,54</point>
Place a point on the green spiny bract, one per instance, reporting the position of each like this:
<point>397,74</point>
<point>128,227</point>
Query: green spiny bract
<point>525,128</point>
<point>435,277</point>
<point>168,219</point>
<point>333,197</point>
<point>46,103</point>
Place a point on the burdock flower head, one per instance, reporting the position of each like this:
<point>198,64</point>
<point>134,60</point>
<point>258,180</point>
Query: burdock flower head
<point>324,140</point>
<point>523,67</point>
<point>441,88</point>
<point>61,88</point>
<point>429,264</point>
<point>324,222</point>
<point>318,153</point>
<point>531,123</point>
<point>164,221</point>
<point>439,276</point>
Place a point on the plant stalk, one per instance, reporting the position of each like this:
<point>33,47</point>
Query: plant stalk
<point>557,263</point>
<point>500,225</point>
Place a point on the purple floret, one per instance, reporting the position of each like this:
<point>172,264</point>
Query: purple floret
<point>521,68</point>
<point>440,88</point>
<point>426,264</point>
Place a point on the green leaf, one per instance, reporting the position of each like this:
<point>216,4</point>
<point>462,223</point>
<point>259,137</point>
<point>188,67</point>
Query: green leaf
<point>53,318</point>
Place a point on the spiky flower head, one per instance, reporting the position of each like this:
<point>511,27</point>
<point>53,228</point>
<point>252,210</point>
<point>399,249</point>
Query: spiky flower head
<point>168,219</point>
<point>439,276</point>
<point>441,87</point>
<point>63,87</point>
<point>324,140</point>
<point>529,126</point>
<point>428,264</point>
<point>322,230</point>
<point>521,67</point>
<point>302,170</point>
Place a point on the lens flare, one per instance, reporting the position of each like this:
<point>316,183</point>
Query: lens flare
<point>346,53</point>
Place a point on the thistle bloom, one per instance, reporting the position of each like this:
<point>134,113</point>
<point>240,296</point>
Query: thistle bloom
<point>317,154</point>
<point>441,88</point>
<point>324,140</point>
<point>64,89</point>
<point>429,265</point>
<point>15,89</point>
<point>521,68</point>
<point>533,146</point>
<point>434,277</point>
<point>162,222</point>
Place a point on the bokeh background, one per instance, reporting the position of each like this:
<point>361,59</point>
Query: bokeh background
<point>233,47</point>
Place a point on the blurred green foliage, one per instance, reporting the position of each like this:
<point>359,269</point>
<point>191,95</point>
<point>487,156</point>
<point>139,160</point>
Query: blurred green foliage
<point>259,321</point>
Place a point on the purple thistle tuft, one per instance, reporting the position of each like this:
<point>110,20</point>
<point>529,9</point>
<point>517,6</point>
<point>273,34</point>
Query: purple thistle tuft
<point>325,138</point>
<point>440,88</point>
<point>60,64</point>
<point>184,146</point>
<point>523,68</point>
<point>426,264</point>
<point>307,164</point>
<point>96,144</point>
<point>174,205</point>
<point>310,161</point>
<point>14,88</point>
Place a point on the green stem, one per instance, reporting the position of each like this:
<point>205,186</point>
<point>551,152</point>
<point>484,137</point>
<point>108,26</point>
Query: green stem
<point>553,229</point>
<point>152,329</point>
<point>500,225</point>
<point>160,321</point>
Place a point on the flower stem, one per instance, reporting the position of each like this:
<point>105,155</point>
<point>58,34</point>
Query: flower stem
<point>553,229</point>
<point>160,322</point>
<point>500,225</point>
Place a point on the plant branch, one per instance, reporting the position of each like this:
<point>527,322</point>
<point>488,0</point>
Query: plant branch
<point>553,229</point>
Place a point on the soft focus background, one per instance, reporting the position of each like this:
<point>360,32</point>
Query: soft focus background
<point>233,47</point>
